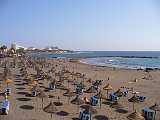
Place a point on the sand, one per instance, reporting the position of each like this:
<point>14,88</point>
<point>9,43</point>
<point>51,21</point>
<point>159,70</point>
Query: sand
<point>30,108</point>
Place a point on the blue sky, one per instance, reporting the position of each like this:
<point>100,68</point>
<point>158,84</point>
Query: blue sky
<point>82,24</point>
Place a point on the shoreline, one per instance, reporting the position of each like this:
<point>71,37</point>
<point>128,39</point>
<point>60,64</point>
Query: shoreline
<point>79,59</point>
<point>118,67</point>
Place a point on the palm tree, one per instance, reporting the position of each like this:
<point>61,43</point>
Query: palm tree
<point>3,48</point>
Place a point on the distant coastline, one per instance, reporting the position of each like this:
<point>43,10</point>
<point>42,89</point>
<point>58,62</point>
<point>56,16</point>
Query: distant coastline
<point>118,59</point>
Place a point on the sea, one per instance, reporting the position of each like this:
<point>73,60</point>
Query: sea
<point>120,59</point>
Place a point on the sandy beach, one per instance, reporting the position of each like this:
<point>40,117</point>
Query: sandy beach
<point>23,107</point>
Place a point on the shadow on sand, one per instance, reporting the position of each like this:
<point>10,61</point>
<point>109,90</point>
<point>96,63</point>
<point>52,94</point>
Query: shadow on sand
<point>75,119</point>
<point>123,111</point>
<point>27,107</point>
<point>101,117</point>
<point>24,99</point>
<point>62,113</point>
<point>22,93</point>
<point>20,88</point>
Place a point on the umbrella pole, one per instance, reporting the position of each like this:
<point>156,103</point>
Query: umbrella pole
<point>51,115</point>
<point>42,103</point>
<point>155,115</point>
<point>133,106</point>
<point>68,99</point>
<point>100,102</point>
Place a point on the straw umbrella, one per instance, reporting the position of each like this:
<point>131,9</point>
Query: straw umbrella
<point>69,94</point>
<point>34,83</point>
<point>59,85</point>
<point>77,101</point>
<point>7,81</point>
<point>135,116</point>
<point>107,88</point>
<point>42,95</point>
<point>100,96</point>
<point>119,93</point>
<point>91,89</point>
<point>133,100</point>
<point>156,108</point>
<point>51,108</point>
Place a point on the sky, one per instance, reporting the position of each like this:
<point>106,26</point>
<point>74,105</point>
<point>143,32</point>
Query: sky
<point>130,25</point>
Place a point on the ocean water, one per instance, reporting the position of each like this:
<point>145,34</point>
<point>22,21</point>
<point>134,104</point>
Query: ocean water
<point>122,59</point>
<point>121,62</point>
<point>92,54</point>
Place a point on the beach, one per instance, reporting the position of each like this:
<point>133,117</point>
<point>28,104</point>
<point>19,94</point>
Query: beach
<point>24,107</point>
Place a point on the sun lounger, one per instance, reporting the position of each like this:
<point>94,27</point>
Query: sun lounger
<point>85,115</point>
<point>93,101</point>
<point>148,114</point>
<point>8,90</point>
<point>79,90</point>
<point>113,97</point>
<point>4,106</point>
<point>125,91</point>
<point>141,98</point>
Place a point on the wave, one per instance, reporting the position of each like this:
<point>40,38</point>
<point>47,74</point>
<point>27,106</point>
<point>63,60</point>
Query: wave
<point>121,62</point>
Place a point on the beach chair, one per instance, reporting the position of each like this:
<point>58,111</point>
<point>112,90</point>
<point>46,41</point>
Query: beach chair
<point>34,93</point>
<point>148,114</point>
<point>52,86</point>
<point>141,98</point>
<point>93,101</point>
<point>113,97</point>
<point>125,91</point>
<point>5,107</point>
<point>85,115</point>
<point>8,90</point>
<point>79,90</point>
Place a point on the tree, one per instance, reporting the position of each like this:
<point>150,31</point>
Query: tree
<point>20,50</point>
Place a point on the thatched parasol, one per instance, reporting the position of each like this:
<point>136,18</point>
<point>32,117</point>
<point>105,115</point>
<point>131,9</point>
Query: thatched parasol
<point>107,88</point>
<point>67,72</point>
<point>51,108</point>
<point>60,86</point>
<point>100,96</point>
<point>135,116</point>
<point>69,94</point>
<point>7,81</point>
<point>42,95</point>
<point>34,88</point>
<point>33,83</point>
<point>92,89</point>
<point>89,80</point>
<point>77,100</point>
<point>133,100</point>
<point>119,93</point>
